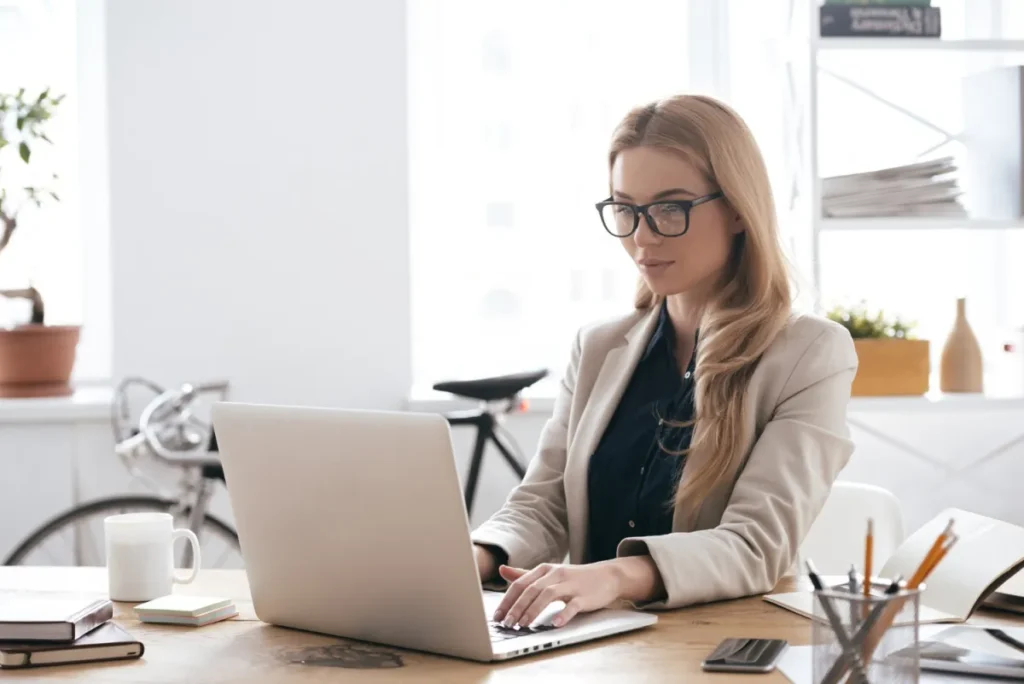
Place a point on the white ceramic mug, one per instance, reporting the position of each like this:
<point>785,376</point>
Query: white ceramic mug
<point>140,555</point>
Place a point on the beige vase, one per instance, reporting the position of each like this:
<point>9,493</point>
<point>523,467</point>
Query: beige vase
<point>961,367</point>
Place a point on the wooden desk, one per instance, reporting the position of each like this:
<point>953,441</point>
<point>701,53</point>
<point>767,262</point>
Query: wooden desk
<point>247,650</point>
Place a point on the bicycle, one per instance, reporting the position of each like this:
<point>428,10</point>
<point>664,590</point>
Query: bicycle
<point>170,433</point>
<point>498,396</point>
<point>173,435</point>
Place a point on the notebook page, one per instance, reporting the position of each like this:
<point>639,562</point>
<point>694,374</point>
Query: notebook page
<point>986,549</point>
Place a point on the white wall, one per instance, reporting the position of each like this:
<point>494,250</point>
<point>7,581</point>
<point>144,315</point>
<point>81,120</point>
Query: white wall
<point>259,197</point>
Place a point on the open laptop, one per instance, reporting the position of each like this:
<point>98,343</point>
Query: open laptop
<point>352,523</point>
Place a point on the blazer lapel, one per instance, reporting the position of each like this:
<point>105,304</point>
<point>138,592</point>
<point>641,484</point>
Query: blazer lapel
<point>612,379</point>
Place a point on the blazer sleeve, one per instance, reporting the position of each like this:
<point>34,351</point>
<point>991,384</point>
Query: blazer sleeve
<point>532,526</point>
<point>778,494</point>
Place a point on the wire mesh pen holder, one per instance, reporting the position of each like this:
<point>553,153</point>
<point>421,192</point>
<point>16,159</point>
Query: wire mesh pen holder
<point>860,639</point>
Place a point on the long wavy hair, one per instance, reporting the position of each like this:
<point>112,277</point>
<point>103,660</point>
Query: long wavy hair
<point>754,299</point>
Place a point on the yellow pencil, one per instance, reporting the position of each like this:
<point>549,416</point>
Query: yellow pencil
<point>869,544</point>
<point>922,569</point>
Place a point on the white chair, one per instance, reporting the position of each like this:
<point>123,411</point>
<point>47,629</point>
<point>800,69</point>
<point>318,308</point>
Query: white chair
<point>836,538</point>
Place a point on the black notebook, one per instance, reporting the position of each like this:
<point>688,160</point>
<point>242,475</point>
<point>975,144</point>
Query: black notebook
<point>107,642</point>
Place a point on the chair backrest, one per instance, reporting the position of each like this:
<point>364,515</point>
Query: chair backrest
<point>836,537</point>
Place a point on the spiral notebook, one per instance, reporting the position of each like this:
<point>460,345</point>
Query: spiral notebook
<point>981,568</point>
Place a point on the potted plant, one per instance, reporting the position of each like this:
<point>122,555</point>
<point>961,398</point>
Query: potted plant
<point>36,359</point>
<point>891,361</point>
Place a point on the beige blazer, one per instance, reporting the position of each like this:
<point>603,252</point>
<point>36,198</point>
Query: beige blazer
<point>744,536</point>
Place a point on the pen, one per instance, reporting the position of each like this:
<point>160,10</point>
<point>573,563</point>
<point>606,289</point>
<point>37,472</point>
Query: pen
<point>942,546</point>
<point>852,585</point>
<point>837,624</point>
<point>839,666</point>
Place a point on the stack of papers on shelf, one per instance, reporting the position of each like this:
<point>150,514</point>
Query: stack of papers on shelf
<point>194,611</point>
<point>924,189</point>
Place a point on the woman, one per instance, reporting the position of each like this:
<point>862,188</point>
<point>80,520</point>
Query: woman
<point>693,441</point>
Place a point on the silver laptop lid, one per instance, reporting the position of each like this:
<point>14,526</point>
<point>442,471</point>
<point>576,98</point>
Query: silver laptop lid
<point>352,523</point>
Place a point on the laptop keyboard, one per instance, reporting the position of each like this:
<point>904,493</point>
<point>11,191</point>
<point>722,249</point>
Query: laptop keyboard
<point>500,633</point>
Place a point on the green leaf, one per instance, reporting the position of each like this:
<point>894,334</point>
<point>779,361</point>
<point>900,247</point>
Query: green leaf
<point>54,196</point>
<point>45,137</point>
<point>21,122</point>
<point>3,143</point>
<point>24,151</point>
<point>42,95</point>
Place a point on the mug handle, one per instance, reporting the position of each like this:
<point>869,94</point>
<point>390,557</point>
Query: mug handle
<point>194,541</point>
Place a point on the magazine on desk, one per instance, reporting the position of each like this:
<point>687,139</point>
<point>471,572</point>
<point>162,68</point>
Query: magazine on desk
<point>983,568</point>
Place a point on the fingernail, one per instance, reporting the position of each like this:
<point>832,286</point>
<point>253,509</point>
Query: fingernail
<point>498,615</point>
<point>508,622</point>
<point>558,621</point>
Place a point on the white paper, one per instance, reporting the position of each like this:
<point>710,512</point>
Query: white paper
<point>795,664</point>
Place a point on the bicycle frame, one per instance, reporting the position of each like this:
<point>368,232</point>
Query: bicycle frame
<point>172,409</point>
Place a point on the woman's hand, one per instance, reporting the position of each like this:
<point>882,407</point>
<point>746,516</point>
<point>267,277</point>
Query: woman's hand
<point>583,588</point>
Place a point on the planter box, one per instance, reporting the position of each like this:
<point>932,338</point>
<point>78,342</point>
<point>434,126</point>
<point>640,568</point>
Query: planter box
<point>891,367</point>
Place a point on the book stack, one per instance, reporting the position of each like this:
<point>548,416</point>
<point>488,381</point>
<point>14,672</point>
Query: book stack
<point>922,189</point>
<point>193,611</point>
<point>880,18</point>
<point>51,629</point>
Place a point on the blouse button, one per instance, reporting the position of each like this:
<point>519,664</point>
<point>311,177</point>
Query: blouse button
<point>686,375</point>
<point>632,524</point>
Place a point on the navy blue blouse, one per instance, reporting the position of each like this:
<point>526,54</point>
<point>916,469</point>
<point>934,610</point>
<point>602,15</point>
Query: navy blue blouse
<point>631,479</point>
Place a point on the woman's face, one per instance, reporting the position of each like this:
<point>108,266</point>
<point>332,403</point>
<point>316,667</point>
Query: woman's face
<point>691,262</point>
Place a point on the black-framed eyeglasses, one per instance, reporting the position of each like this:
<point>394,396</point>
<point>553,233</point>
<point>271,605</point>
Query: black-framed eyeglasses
<point>668,218</point>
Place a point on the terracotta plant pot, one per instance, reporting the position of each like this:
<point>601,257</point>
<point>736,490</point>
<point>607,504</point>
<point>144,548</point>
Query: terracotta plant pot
<point>37,360</point>
<point>891,367</point>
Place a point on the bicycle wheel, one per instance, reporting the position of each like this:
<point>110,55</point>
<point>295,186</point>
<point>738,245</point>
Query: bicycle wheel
<point>75,537</point>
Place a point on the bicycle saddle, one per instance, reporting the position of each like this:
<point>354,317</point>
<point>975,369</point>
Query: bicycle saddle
<point>494,388</point>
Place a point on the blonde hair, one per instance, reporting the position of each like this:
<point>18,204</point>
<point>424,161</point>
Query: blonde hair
<point>754,300</point>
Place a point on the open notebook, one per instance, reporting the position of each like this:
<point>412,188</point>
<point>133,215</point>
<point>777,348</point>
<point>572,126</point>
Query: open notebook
<point>987,555</point>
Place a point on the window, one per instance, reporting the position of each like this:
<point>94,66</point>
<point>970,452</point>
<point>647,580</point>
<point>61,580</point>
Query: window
<point>38,49</point>
<point>510,118</point>
<point>512,106</point>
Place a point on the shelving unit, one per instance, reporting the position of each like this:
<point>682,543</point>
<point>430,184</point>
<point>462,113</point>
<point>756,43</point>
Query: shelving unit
<point>918,44</point>
<point>810,117</point>
<point>914,223</point>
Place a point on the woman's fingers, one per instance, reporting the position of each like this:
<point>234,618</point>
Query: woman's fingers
<point>552,592</point>
<point>572,608</point>
<point>529,594</point>
<point>510,574</point>
<point>516,587</point>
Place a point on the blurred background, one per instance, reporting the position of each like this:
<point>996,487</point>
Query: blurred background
<point>345,203</point>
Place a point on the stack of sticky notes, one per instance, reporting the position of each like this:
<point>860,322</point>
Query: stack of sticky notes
<point>194,611</point>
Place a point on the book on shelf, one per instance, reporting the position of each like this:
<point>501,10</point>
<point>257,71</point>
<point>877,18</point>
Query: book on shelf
<point>984,568</point>
<point>54,618</point>
<point>906,20</point>
<point>107,642</point>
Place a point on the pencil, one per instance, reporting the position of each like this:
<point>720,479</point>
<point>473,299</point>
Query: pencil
<point>935,555</point>
<point>929,557</point>
<point>946,546</point>
<point>869,544</point>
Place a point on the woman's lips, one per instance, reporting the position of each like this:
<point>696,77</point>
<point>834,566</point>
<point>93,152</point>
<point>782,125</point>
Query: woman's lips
<point>653,266</point>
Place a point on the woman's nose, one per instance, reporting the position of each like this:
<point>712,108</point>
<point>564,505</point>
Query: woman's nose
<point>644,235</point>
